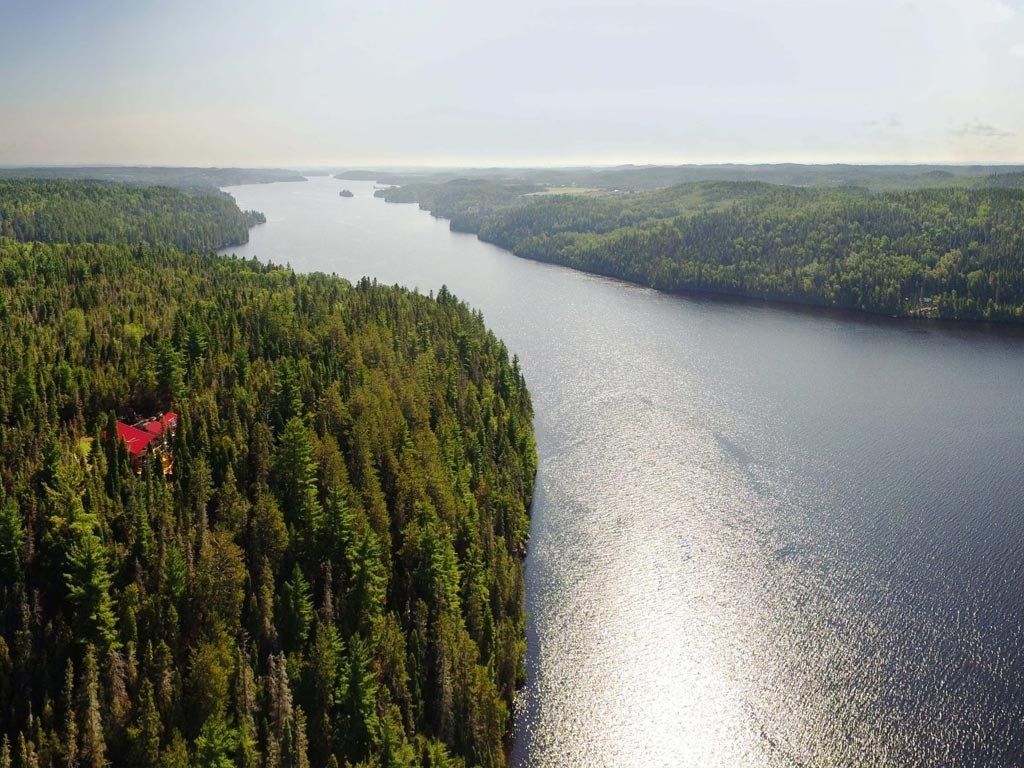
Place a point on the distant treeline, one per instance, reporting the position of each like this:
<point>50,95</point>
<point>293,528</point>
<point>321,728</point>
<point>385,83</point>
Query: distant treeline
<point>66,211</point>
<point>639,178</point>
<point>151,175</point>
<point>950,253</point>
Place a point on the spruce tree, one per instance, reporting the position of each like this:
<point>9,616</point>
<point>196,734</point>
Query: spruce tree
<point>93,749</point>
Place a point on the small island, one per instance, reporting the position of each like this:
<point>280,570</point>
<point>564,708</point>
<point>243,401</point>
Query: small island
<point>346,193</point>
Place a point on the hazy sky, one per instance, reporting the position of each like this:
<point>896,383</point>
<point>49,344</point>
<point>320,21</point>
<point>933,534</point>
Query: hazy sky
<point>269,82</point>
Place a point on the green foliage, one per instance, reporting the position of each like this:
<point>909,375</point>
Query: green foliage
<point>88,584</point>
<point>332,576</point>
<point>92,749</point>
<point>12,541</point>
<point>144,733</point>
<point>101,212</point>
<point>295,472</point>
<point>466,202</point>
<point>953,253</point>
<point>648,177</point>
<point>185,178</point>
<point>296,614</point>
<point>215,745</point>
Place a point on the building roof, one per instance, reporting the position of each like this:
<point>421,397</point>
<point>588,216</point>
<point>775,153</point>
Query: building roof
<point>135,439</point>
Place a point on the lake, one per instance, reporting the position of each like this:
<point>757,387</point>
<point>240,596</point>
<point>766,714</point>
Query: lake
<point>761,537</point>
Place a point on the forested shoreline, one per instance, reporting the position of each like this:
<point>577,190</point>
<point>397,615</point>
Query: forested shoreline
<point>331,572</point>
<point>77,211</point>
<point>640,178</point>
<point>953,253</point>
<point>168,176</point>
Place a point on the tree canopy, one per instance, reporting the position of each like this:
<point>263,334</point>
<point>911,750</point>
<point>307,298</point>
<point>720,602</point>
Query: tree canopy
<point>332,575</point>
<point>951,253</point>
<point>63,211</point>
<point>157,175</point>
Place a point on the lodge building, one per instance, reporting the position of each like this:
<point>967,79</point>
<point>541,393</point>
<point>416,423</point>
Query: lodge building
<point>150,435</point>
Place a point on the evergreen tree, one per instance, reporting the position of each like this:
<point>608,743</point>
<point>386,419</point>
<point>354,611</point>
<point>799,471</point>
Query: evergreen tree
<point>69,734</point>
<point>88,584</point>
<point>12,542</point>
<point>144,733</point>
<point>326,590</point>
<point>93,749</point>
<point>296,482</point>
<point>296,611</point>
<point>215,744</point>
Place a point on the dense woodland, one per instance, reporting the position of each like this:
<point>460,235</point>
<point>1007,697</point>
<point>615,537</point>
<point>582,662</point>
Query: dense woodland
<point>949,253</point>
<point>66,211</point>
<point>633,178</point>
<point>332,574</point>
<point>157,175</point>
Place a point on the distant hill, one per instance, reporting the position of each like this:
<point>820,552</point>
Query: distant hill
<point>1001,181</point>
<point>632,178</point>
<point>166,176</point>
<point>360,175</point>
<point>938,252</point>
<point>84,211</point>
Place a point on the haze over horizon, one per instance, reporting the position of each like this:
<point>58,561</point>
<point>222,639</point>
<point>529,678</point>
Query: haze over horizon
<point>562,83</point>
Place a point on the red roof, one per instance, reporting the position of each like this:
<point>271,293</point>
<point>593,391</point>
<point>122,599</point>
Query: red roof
<point>135,439</point>
<point>154,427</point>
<point>169,420</point>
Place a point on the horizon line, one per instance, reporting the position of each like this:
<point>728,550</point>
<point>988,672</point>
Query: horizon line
<point>392,166</point>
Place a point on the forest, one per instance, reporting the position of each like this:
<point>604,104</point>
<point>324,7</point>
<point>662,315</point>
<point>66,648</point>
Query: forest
<point>636,178</point>
<point>330,574</point>
<point>74,211</point>
<point>187,178</point>
<point>954,253</point>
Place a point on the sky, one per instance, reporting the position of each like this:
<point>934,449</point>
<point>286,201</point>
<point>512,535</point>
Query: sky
<point>516,82</point>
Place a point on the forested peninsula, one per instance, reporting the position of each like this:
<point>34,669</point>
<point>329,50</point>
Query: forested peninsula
<point>249,517</point>
<point>186,178</point>
<point>954,253</point>
<point>638,178</point>
<point>74,211</point>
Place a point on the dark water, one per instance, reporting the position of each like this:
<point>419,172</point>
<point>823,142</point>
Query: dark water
<point>760,537</point>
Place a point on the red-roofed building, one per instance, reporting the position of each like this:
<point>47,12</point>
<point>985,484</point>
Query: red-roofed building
<point>136,439</point>
<point>168,422</point>
<point>150,434</point>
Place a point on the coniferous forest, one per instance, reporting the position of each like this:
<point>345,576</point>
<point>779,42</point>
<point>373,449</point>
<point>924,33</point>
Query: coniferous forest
<point>71,211</point>
<point>953,253</point>
<point>330,572</point>
<point>156,175</point>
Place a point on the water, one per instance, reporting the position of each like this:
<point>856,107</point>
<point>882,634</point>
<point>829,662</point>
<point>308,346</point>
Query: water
<point>760,537</point>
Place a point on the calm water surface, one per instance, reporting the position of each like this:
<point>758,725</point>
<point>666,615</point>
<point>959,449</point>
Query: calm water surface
<point>760,537</point>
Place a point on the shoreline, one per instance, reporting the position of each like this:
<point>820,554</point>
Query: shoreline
<point>991,328</point>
